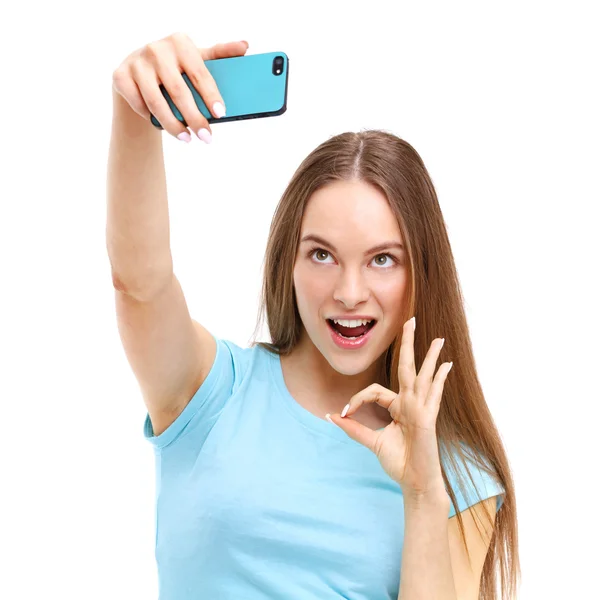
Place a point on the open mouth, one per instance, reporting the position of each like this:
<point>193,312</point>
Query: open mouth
<point>351,333</point>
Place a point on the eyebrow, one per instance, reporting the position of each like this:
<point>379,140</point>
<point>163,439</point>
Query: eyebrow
<point>378,248</point>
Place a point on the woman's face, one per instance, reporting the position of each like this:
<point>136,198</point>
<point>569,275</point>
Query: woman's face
<point>342,276</point>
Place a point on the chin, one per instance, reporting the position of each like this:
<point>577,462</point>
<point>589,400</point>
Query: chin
<point>348,370</point>
<point>347,362</point>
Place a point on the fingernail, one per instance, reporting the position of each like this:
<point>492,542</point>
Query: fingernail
<point>204,135</point>
<point>345,410</point>
<point>442,343</point>
<point>414,320</point>
<point>184,136</point>
<point>450,366</point>
<point>329,419</point>
<point>219,109</point>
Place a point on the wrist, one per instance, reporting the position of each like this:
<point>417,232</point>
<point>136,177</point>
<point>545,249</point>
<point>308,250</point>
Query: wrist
<point>435,497</point>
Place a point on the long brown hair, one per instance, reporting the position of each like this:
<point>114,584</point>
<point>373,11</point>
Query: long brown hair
<point>433,295</point>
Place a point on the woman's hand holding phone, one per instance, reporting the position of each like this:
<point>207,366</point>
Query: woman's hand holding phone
<point>139,76</point>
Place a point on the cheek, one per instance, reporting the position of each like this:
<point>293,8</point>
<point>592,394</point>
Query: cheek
<point>309,289</point>
<point>391,293</point>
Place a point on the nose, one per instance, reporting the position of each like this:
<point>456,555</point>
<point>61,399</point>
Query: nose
<point>351,289</point>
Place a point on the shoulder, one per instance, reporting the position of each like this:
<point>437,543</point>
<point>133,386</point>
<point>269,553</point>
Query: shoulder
<point>472,480</point>
<point>244,362</point>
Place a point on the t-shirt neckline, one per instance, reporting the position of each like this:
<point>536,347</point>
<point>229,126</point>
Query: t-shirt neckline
<point>305,417</point>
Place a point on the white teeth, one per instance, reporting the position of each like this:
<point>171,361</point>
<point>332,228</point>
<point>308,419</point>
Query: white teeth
<point>353,323</point>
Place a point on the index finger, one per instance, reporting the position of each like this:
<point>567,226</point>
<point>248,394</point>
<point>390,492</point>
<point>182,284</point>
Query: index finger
<point>406,363</point>
<point>228,50</point>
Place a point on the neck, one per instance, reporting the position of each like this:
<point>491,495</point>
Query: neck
<point>313,377</point>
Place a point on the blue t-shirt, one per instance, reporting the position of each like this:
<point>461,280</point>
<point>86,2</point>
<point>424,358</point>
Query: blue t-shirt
<point>257,498</point>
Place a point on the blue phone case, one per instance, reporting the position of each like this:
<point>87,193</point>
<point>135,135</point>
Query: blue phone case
<point>248,85</point>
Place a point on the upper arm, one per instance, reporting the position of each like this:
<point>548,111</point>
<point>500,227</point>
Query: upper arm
<point>467,576</point>
<point>169,353</point>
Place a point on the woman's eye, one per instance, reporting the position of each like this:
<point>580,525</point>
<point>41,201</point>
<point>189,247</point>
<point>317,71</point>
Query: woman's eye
<point>384,256</point>
<point>320,251</point>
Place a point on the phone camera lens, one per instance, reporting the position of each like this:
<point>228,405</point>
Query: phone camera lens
<point>278,65</point>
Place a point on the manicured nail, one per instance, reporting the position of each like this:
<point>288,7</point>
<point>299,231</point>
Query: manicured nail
<point>442,343</point>
<point>345,410</point>
<point>450,367</point>
<point>219,109</point>
<point>414,323</point>
<point>204,135</point>
<point>184,136</point>
<point>329,419</point>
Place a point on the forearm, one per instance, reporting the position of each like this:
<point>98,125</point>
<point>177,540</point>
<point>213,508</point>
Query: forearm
<point>426,567</point>
<point>137,227</point>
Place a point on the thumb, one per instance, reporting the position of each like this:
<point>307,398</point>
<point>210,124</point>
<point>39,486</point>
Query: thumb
<point>357,431</point>
<point>227,50</point>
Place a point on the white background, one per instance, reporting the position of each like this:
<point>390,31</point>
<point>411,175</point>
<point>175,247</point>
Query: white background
<point>501,102</point>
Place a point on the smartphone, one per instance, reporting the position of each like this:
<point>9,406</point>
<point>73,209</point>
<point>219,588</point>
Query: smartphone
<point>252,86</point>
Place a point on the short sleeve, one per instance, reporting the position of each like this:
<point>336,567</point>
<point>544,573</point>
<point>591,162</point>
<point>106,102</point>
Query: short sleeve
<point>205,406</point>
<point>485,486</point>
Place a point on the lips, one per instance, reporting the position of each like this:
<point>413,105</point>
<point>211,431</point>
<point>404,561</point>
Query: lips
<point>367,327</point>
<point>348,343</point>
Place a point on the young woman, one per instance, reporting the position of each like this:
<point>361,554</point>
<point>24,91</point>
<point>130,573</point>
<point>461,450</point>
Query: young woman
<point>335,461</point>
